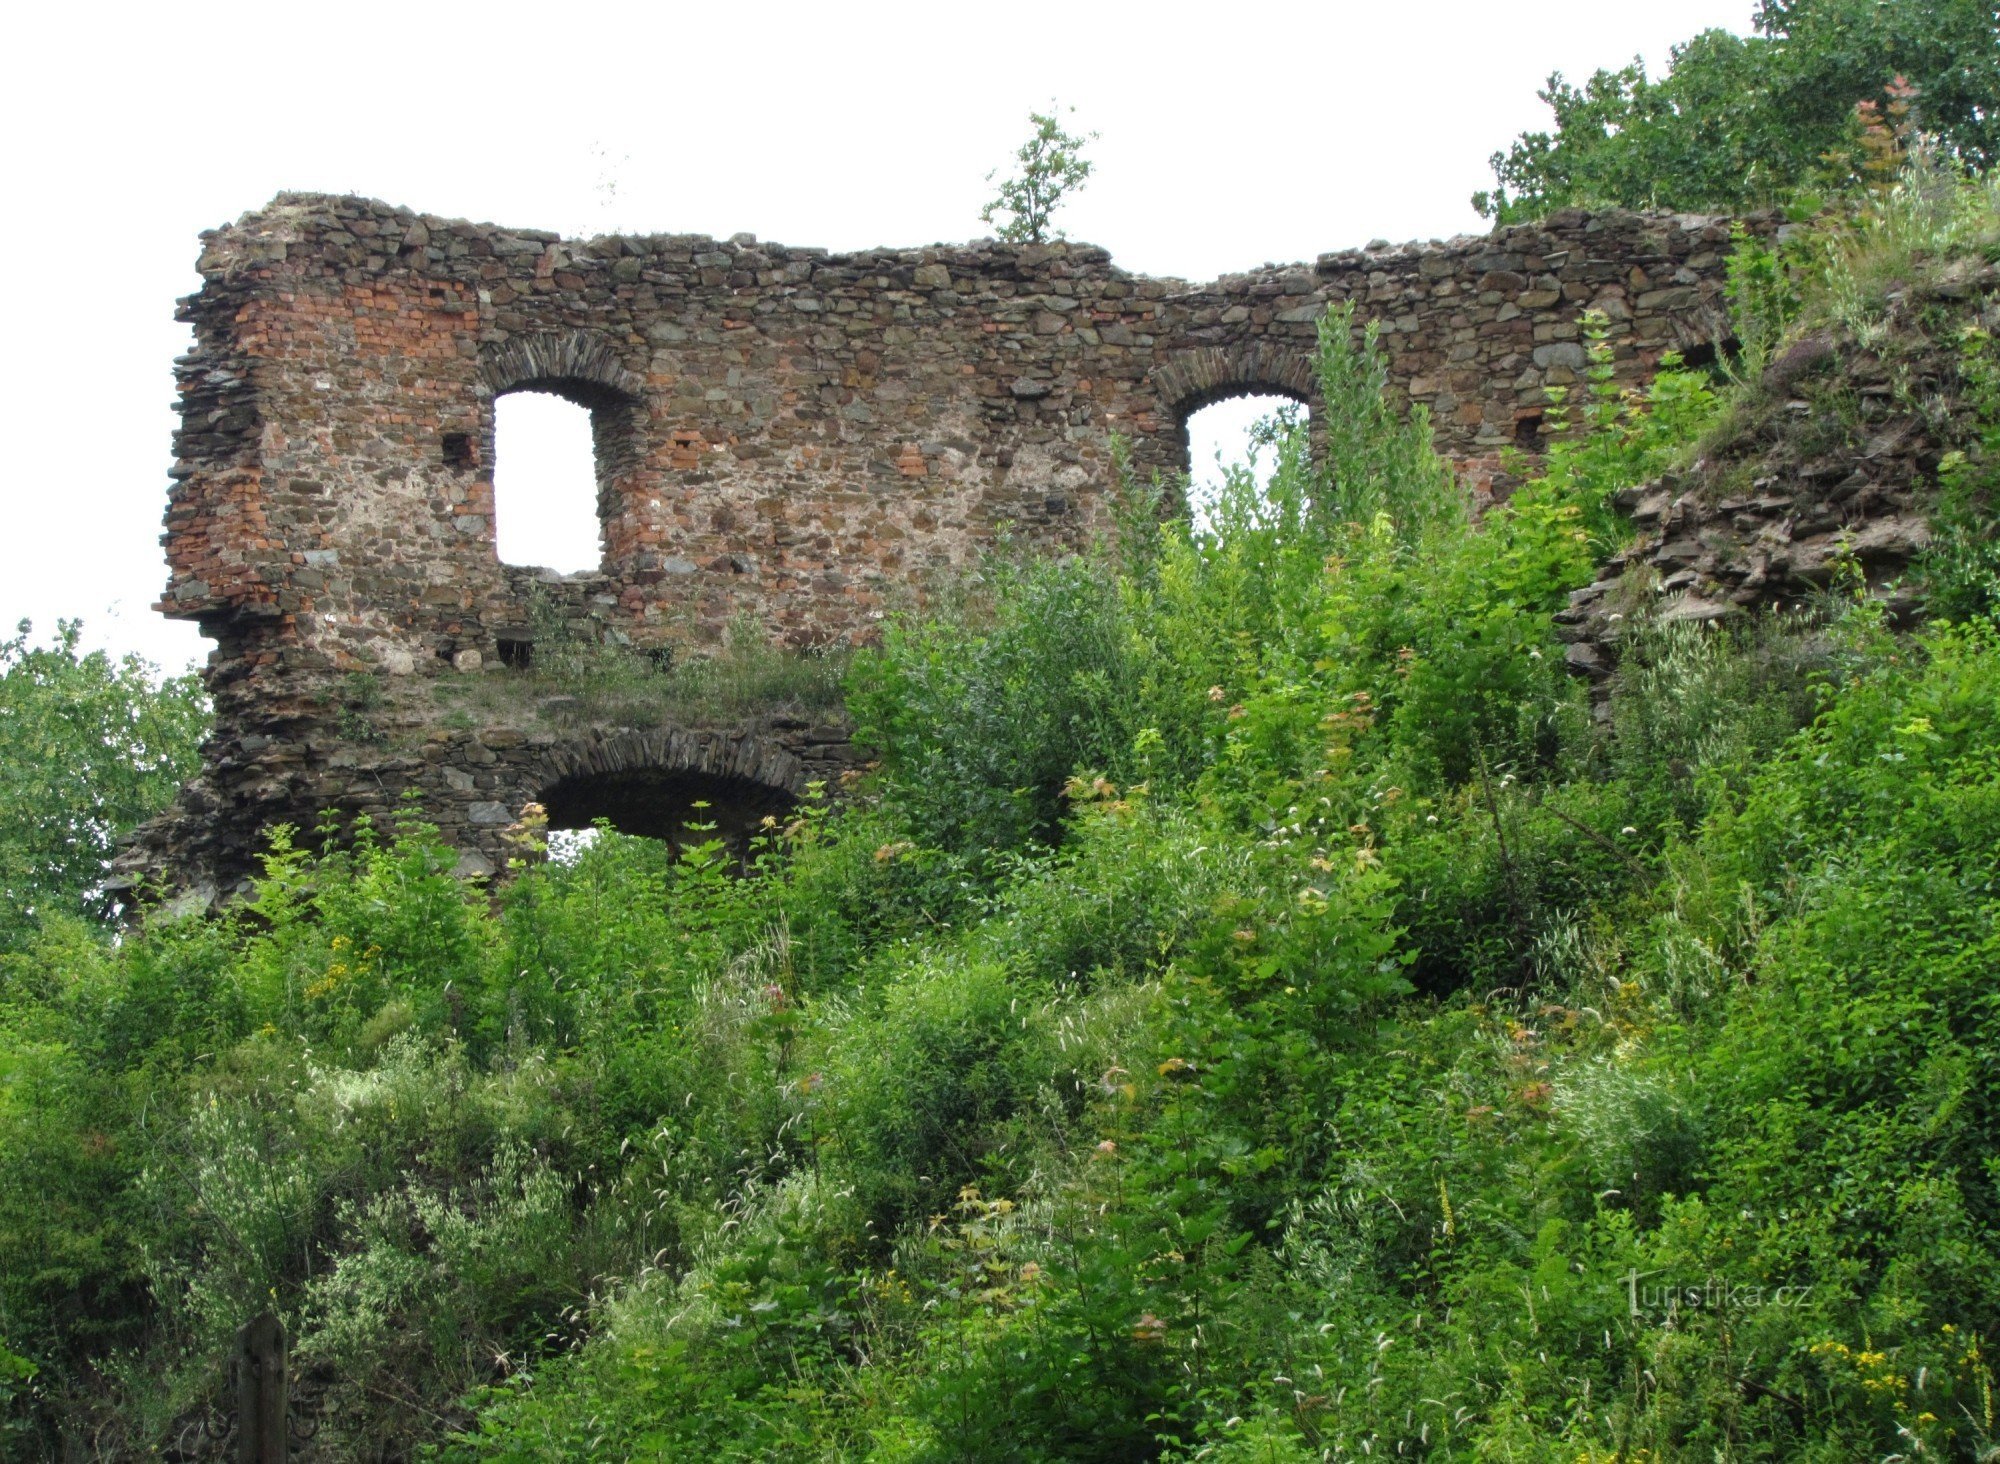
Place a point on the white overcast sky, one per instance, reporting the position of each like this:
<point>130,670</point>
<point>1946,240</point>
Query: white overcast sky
<point>1231,135</point>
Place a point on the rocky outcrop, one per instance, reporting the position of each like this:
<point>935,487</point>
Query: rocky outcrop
<point>1828,462</point>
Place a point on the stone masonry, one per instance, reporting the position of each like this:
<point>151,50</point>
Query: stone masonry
<point>785,435</point>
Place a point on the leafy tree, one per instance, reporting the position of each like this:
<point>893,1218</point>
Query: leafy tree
<point>89,747</point>
<point>1052,166</point>
<point>1738,122</point>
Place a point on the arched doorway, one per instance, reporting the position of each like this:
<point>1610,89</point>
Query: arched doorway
<point>1219,397</point>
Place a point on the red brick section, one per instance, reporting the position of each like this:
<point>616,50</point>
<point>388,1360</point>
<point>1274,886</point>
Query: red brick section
<point>784,435</point>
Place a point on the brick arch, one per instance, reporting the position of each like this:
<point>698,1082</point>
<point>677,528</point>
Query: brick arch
<point>710,753</point>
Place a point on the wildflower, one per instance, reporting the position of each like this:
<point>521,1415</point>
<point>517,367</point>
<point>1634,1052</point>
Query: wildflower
<point>1215,693</point>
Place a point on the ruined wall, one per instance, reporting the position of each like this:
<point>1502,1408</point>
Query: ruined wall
<point>785,434</point>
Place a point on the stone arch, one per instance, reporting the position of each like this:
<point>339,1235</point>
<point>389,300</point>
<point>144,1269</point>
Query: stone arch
<point>1193,379</point>
<point>552,360</point>
<point>648,782</point>
<point>1200,377</point>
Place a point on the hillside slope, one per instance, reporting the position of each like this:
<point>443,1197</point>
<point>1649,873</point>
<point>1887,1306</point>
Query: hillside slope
<point>1263,1006</point>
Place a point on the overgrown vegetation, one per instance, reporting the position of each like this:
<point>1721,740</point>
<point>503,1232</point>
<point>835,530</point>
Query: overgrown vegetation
<point>575,676</point>
<point>1259,1011</point>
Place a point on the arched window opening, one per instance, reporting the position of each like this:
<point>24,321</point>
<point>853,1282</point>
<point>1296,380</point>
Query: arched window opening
<point>545,483</point>
<point>681,808</point>
<point>1235,436</point>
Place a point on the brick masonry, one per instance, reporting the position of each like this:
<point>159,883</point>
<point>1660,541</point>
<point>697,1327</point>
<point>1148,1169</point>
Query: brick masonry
<point>784,434</point>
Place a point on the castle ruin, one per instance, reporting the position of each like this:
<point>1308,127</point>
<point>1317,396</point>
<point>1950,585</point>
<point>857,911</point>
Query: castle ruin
<point>783,436</point>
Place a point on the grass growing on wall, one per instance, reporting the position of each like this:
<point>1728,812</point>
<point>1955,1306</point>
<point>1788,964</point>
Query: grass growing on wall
<point>575,678</point>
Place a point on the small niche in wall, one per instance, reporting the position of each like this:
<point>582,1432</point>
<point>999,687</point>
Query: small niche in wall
<point>458,451</point>
<point>1528,432</point>
<point>517,652</point>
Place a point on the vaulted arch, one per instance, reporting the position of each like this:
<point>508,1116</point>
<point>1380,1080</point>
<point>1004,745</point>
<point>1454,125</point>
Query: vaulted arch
<point>1193,378</point>
<point>659,783</point>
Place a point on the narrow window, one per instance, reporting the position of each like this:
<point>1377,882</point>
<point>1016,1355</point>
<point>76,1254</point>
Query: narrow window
<point>545,484</point>
<point>1234,447</point>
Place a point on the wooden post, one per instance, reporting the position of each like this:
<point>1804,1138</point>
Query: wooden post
<point>261,1393</point>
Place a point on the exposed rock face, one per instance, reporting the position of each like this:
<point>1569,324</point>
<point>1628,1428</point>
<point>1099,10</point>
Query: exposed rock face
<point>1839,444</point>
<point>782,434</point>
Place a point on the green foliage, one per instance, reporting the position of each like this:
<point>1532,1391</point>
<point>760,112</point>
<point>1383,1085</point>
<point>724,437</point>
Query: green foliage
<point>89,747</point>
<point>1050,167</point>
<point>1739,123</point>
<point>1260,1010</point>
<point>1962,569</point>
<point>1930,215</point>
<point>983,715</point>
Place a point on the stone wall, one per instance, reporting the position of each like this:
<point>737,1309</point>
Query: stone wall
<point>783,434</point>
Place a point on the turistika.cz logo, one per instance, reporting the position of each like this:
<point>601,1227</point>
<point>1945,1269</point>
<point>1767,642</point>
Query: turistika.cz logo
<point>1652,1299</point>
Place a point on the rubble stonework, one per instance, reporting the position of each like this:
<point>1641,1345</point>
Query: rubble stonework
<point>1833,463</point>
<point>783,434</point>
